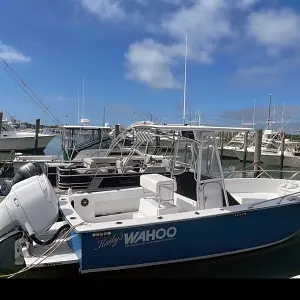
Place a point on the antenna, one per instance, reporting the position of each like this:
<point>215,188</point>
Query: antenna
<point>254,110</point>
<point>283,109</point>
<point>269,111</point>
<point>104,116</point>
<point>83,98</point>
<point>184,87</point>
<point>78,105</point>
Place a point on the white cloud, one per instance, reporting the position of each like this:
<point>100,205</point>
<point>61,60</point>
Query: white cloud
<point>275,29</point>
<point>150,63</point>
<point>205,21</point>
<point>104,9</point>
<point>11,55</point>
<point>211,25</point>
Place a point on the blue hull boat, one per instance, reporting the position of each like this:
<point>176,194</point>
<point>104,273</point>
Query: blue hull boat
<point>154,223</point>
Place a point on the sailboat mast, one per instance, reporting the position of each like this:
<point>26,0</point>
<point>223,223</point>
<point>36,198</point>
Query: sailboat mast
<point>269,111</point>
<point>104,116</point>
<point>83,98</point>
<point>184,87</point>
<point>282,116</point>
<point>78,105</point>
<point>254,110</point>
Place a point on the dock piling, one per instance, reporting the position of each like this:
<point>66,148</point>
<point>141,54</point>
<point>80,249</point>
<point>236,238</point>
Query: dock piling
<point>221,136</point>
<point>245,149</point>
<point>1,117</point>
<point>281,156</point>
<point>117,130</point>
<point>36,139</point>
<point>257,153</point>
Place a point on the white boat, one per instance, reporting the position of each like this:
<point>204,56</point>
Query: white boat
<point>273,158</point>
<point>152,224</point>
<point>78,142</point>
<point>21,140</point>
<point>271,154</point>
<point>236,143</point>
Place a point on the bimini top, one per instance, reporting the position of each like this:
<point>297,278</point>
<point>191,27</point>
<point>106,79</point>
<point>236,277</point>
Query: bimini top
<point>181,127</point>
<point>86,127</point>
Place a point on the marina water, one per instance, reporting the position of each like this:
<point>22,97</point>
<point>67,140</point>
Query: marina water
<point>281,261</point>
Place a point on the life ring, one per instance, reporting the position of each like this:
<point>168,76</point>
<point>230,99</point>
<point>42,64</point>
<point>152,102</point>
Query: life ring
<point>289,187</point>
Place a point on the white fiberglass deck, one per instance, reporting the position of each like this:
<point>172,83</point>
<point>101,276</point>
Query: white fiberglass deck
<point>138,206</point>
<point>251,190</point>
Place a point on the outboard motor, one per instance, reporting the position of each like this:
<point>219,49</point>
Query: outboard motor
<point>30,207</point>
<point>26,171</point>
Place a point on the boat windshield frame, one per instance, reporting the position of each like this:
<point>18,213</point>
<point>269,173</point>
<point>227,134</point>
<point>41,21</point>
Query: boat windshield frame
<point>202,135</point>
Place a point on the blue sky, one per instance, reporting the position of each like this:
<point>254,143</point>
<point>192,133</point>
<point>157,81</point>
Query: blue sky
<point>131,56</point>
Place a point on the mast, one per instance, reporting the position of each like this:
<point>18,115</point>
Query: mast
<point>78,105</point>
<point>254,110</point>
<point>269,112</point>
<point>104,116</point>
<point>82,98</point>
<point>199,117</point>
<point>184,87</point>
<point>282,116</point>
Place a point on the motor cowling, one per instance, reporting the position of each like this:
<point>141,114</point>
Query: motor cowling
<point>31,206</point>
<point>28,170</point>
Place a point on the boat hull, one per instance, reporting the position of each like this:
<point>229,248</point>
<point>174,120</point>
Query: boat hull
<point>185,240</point>
<point>271,159</point>
<point>228,153</point>
<point>26,143</point>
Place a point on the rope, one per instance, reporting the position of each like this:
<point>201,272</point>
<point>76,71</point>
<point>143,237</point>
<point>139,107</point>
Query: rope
<point>47,253</point>
<point>34,98</point>
<point>8,160</point>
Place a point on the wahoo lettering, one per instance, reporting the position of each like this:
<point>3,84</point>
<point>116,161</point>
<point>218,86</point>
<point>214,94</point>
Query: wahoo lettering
<point>149,235</point>
<point>138,237</point>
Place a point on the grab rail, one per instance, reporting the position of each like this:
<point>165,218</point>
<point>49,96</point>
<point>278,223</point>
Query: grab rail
<point>280,199</point>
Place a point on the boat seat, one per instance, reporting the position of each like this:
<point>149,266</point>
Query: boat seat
<point>162,186</point>
<point>94,162</point>
<point>150,207</point>
<point>163,200</point>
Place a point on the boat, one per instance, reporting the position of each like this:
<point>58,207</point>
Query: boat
<point>236,143</point>
<point>77,142</point>
<point>154,223</point>
<point>108,162</point>
<point>21,140</point>
<point>271,152</point>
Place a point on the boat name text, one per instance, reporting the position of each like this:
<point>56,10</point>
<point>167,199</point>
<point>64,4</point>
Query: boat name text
<point>138,237</point>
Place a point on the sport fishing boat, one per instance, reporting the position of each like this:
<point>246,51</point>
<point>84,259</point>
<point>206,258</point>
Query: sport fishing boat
<point>21,140</point>
<point>154,223</point>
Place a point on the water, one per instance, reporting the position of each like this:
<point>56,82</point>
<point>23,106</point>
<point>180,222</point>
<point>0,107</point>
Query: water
<point>281,261</point>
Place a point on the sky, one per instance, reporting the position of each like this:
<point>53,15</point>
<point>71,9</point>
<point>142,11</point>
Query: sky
<point>130,55</point>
